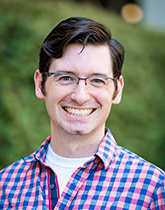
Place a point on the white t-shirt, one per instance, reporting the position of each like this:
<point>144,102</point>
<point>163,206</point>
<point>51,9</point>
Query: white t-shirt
<point>63,167</point>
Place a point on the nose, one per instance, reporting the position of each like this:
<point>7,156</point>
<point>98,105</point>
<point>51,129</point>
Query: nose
<point>80,93</point>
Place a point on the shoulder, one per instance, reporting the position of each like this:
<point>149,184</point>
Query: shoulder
<point>20,167</point>
<point>141,176</point>
<point>17,177</point>
<point>126,162</point>
<point>140,167</point>
<point>16,169</point>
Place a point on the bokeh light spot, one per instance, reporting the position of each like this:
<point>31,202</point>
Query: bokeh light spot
<point>132,13</point>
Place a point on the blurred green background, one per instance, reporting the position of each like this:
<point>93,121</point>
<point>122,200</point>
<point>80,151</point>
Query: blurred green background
<point>137,123</point>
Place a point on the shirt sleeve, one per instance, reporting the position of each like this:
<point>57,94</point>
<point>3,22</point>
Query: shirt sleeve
<point>158,201</point>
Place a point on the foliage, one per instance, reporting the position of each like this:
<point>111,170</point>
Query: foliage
<point>137,123</point>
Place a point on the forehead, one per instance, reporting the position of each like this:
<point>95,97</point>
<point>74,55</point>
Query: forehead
<point>88,60</point>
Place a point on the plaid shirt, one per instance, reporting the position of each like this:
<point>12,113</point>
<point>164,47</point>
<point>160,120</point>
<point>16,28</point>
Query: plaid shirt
<point>114,178</point>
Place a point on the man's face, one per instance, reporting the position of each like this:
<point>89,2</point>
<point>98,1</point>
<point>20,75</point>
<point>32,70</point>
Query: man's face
<point>80,110</point>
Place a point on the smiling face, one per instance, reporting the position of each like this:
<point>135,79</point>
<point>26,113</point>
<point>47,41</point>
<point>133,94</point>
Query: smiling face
<point>81,110</point>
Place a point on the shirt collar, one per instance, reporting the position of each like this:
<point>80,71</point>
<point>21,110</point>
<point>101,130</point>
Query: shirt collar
<point>107,149</point>
<point>40,154</point>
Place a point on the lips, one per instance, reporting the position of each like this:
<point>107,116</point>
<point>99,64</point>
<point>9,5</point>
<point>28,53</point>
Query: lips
<point>78,112</point>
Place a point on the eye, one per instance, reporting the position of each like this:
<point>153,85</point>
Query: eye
<point>96,81</point>
<point>65,78</point>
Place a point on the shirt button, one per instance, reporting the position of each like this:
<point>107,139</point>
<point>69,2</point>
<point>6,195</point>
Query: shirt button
<point>52,186</point>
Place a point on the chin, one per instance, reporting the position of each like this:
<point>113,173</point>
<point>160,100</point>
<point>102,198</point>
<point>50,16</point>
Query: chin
<point>78,132</point>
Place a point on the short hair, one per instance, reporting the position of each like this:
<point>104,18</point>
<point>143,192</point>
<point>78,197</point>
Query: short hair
<point>79,30</point>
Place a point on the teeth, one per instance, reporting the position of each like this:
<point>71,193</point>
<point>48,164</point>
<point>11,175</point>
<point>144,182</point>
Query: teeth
<point>79,112</point>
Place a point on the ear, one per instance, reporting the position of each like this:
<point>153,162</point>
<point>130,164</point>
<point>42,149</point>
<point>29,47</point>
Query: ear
<point>38,84</point>
<point>118,94</point>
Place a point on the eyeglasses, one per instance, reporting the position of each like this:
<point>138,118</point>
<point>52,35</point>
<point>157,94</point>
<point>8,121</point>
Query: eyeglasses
<point>68,79</point>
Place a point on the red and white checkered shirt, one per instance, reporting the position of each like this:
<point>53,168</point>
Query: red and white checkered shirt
<point>114,178</point>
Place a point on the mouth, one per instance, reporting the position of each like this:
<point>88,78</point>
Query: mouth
<point>78,112</point>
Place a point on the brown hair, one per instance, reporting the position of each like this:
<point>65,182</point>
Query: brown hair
<point>83,31</point>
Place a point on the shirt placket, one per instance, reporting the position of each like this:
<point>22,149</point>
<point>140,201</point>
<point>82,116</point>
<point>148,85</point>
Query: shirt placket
<point>53,188</point>
<point>74,184</point>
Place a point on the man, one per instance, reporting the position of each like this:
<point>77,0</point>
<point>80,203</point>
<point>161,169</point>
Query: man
<point>80,166</point>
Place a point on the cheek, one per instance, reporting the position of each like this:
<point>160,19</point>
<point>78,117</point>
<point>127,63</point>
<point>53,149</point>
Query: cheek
<point>106,96</point>
<point>105,101</point>
<point>54,96</point>
<point>54,93</point>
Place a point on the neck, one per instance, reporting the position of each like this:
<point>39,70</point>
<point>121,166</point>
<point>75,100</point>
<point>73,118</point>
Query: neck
<point>76,145</point>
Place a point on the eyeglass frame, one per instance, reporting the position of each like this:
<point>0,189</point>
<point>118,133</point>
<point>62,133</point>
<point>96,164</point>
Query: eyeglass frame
<point>48,74</point>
